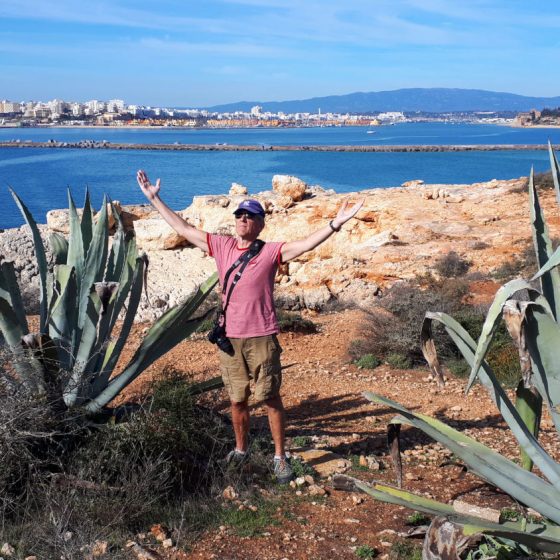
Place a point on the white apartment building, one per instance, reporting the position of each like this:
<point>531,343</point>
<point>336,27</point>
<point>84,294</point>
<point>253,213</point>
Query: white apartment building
<point>94,106</point>
<point>391,116</point>
<point>9,107</point>
<point>115,106</point>
<point>256,111</point>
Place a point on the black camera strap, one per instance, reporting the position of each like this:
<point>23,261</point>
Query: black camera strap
<point>243,260</point>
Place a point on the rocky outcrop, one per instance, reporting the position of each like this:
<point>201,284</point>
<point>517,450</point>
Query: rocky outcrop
<point>398,234</point>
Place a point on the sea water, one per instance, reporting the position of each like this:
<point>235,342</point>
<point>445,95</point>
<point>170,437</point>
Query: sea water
<point>41,177</point>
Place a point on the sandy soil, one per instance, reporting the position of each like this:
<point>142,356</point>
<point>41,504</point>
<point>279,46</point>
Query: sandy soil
<point>323,397</point>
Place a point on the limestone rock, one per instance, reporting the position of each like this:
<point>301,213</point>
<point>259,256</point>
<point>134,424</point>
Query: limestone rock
<point>155,234</point>
<point>290,186</point>
<point>236,188</point>
<point>316,298</point>
<point>413,183</point>
<point>283,201</point>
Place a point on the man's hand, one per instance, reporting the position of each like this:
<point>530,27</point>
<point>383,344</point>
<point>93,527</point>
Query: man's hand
<point>149,190</point>
<point>344,213</point>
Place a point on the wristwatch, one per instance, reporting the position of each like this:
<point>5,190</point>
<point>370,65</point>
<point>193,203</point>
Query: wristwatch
<point>332,226</point>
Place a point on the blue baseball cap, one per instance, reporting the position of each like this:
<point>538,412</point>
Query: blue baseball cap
<point>252,206</point>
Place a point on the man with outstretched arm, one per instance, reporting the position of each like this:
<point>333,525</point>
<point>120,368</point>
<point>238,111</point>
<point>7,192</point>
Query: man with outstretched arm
<point>251,324</point>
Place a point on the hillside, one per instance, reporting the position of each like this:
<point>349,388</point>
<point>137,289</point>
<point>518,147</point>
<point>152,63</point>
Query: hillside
<point>434,100</point>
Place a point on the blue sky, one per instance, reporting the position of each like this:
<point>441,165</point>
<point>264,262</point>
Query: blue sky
<point>197,53</point>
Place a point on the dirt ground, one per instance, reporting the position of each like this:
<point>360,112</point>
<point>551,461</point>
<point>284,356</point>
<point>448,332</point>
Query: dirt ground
<point>322,394</point>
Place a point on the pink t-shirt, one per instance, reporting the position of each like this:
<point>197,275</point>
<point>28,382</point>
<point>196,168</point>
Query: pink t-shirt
<point>250,311</point>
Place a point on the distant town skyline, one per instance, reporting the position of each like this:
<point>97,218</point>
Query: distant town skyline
<point>223,51</point>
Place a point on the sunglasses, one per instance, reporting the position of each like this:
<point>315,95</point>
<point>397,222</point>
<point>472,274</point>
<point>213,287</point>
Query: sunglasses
<point>248,215</point>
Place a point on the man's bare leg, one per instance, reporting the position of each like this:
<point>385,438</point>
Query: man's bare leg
<point>277,422</point>
<point>240,421</point>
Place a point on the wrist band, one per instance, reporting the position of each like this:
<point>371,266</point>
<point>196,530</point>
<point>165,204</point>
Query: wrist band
<point>332,226</point>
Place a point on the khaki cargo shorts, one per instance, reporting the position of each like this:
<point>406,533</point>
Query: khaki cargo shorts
<point>256,359</point>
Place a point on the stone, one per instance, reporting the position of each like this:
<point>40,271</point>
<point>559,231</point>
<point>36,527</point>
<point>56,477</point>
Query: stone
<point>316,490</point>
<point>159,532</point>
<point>412,183</point>
<point>8,549</point>
<point>325,463</point>
<point>288,185</point>
<point>99,548</point>
<point>316,298</point>
<point>283,201</point>
<point>229,494</point>
<point>155,234</point>
<point>236,188</point>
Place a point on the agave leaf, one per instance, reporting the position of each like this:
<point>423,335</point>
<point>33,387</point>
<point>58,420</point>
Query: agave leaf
<point>555,169</point>
<point>529,405</point>
<point>205,386</point>
<point>94,262</point>
<point>170,329</point>
<point>107,360</point>
<point>537,536</point>
<point>63,313</point>
<point>550,280</point>
<point>77,385</point>
<point>522,485</point>
<point>543,341</point>
<point>9,290</point>
<point>41,259</point>
<point>552,262</point>
<point>524,436</point>
<point>117,255</point>
<point>59,247</point>
<point>491,323</point>
<point>76,254</point>
<point>13,333</point>
<point>87,222</point>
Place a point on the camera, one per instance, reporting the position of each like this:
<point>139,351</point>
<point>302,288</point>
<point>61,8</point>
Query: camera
<point>218,336</point>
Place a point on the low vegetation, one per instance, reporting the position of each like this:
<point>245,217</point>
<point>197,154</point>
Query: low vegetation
<point>531,315</point>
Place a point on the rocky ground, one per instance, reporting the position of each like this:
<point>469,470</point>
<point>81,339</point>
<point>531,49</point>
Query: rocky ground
<point>396,236</point>
<point>323,398</point>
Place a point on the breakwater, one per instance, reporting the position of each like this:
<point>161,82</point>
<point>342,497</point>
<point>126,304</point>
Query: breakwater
<point>222,147</point>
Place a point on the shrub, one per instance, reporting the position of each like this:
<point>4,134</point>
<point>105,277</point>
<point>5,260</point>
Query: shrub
<point>366,552</point>
<point>399,361</point>
<point>294,322</point>
<point>106,481</point>
<point>368,361</point>
<point>392,327</point>
<point>452,265</point>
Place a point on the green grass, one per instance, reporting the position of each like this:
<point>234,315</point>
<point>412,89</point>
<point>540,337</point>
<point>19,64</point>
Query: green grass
<point>355,459</point>
<point>366,552</point>
<point>405,550</point>
<point>368,361</point>
<point>247,523</point>
<point>301,441</point>
<point>301,469</point>
<point>399,361</point>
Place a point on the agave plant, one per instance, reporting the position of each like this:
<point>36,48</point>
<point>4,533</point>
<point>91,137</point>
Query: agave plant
<point>531,315</point>
<point>73,355</point>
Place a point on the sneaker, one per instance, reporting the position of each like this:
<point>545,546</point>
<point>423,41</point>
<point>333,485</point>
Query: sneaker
<point>236,458</point>
<point>283,470</point>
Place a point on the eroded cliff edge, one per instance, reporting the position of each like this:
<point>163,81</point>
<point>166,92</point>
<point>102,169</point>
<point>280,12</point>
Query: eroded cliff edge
<point>398,234</point>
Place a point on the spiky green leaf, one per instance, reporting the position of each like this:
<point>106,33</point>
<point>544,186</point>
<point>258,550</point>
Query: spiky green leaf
<point>9,290</point>
<point>524,486</point>
<point>550,280</point>
<point>59,248</point>
<point>526,439</point>
<point>170,329</point>
<point>40,256</point>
